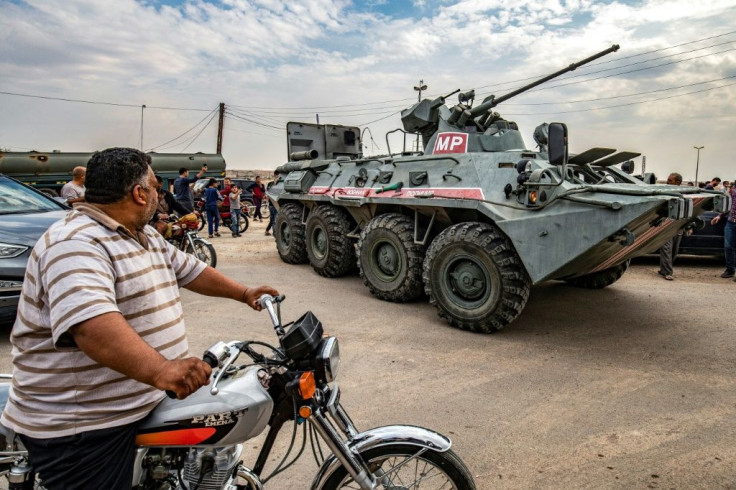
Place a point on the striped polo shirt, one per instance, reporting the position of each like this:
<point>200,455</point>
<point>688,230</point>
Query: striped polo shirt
<point>86,265</point>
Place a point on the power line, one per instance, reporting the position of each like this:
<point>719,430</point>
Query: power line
<point>96,102</point>
<point>257,123</point>
<point>184,133</point>
<point>621,96</point>
<point>629,71</point>
<point>627,104</point>
<point>198,134</point>
<point>663,49</point>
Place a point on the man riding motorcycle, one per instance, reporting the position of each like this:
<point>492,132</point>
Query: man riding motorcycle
<point>100,331</point>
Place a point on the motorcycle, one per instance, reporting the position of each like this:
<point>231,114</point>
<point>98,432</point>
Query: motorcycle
<point>183,234</point>
<point>225,217</point>
<point>197,443</point>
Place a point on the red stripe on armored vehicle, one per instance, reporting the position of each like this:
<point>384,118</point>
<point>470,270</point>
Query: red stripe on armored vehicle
<point>475,193</point>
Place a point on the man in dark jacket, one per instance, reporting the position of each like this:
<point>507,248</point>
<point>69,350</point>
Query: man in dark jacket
<point>182,192</point>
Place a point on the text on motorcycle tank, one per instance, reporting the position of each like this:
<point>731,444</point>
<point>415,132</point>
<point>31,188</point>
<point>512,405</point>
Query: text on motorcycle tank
<point>216,419</point>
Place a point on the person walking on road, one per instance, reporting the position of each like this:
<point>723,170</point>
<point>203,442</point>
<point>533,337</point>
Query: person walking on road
<point>182,192</point>
<point>729,235</point>
<point>73,191</point>
<point>258,191</point>
<point>234,198</point>
<point>271,208</point>
<point>211,200</point>
<point>668,252</point>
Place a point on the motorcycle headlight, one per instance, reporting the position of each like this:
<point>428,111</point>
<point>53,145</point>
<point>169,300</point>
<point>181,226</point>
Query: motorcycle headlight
<point>327,360</point>
<point>10,250</point>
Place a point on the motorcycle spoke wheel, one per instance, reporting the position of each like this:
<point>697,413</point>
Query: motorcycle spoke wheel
<point>399,467</point>
<point>203,251</point>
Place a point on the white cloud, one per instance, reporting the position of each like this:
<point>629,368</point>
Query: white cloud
<point>325,53</point>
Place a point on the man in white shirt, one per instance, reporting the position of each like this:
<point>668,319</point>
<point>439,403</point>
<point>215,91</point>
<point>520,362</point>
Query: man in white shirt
<point>73,191</point>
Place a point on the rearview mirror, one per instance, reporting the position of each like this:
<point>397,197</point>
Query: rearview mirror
<point>557,144</point>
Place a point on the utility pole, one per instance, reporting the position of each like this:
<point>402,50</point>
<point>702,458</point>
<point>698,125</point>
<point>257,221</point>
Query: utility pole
<point>142,107</point>
<point>419,88</point>
<point>219,128</point>
<point>697,163</point>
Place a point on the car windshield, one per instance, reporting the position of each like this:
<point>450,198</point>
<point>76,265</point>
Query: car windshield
<point>15,198</point>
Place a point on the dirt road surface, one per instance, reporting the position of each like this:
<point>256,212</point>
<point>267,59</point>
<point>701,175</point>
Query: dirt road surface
<point>632,386</point>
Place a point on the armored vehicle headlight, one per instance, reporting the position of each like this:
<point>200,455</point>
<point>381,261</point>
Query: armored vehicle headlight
<point>328,360</point>
<point>532,197</point>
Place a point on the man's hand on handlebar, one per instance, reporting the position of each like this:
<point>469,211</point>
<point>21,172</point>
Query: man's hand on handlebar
<point>183,376</point>
<point>251,295</point>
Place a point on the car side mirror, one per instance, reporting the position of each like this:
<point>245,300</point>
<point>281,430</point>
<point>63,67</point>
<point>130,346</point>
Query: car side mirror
<point>557,144</point>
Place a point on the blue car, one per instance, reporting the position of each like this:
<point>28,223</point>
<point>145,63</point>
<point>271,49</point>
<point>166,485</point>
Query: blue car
<point>25,214</point>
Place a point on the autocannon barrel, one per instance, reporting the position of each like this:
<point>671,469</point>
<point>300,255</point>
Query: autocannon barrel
<point>303,155</point>
<point>493,102</point>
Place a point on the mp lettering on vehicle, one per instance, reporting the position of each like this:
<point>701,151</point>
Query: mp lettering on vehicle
<point>451,143</point>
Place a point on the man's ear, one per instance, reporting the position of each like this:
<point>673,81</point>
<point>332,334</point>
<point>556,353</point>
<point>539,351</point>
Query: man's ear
<point>140,196</point>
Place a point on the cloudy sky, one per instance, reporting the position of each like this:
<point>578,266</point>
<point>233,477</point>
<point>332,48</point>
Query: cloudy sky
<point>670,87</point>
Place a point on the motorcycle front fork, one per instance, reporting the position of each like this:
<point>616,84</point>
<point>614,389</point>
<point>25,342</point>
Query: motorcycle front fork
<point>322,419</point>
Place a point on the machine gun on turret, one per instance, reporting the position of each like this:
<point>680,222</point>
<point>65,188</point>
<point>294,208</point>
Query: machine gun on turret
<point>425,116</point>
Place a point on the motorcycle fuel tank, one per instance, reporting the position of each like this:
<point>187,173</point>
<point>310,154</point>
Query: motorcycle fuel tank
<point>239,411</point>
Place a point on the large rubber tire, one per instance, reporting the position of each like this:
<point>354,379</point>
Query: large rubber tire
<point>203,251</point>
<point>433,469</point>
<point>600,279</point>
<point>474,277</point>
<point>290,234</point>
<point>329,249</point>
<point>389,260</point>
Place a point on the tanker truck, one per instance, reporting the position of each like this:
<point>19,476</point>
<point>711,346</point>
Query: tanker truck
<point>48,172</point>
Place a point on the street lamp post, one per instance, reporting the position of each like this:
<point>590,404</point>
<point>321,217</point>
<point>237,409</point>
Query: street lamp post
<point>419,88</point>
<point>697,163</point>
<point>142,107</point>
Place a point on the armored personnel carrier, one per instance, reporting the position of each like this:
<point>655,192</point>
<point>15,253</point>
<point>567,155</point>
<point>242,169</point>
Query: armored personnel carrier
<point>476,219</point>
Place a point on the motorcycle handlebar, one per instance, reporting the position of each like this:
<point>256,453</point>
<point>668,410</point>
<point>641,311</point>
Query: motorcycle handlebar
<point>266,302</point>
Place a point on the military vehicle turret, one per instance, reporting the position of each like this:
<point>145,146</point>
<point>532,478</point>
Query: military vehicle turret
<point>476,219</point>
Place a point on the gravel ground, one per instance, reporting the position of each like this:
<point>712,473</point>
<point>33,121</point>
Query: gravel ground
<point>627,387</point>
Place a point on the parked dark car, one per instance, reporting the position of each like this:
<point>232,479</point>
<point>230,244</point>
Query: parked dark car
<point>706,241</point>
<point>25,214</point>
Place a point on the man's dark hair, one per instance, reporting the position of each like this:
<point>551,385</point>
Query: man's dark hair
<point>717,179</point>
<point>676,177</point>
<point>211,181</point>
<point>182,170</point>
<point>112,174</point>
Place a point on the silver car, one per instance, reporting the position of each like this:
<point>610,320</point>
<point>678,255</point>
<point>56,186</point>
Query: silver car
<point>25,214</point>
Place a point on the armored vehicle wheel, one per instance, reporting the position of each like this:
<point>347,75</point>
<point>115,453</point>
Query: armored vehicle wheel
<point>290,234</point>
<point>600,279</point>
<point>389,260</point>
<point>329,249</point>
<point>474,277</point>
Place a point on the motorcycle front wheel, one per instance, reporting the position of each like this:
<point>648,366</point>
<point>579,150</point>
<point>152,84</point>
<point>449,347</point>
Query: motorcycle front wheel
<point>398,466</point>
<point>203,251</point>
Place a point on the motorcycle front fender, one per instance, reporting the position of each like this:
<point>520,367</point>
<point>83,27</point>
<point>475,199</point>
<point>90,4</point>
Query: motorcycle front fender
<point>384,436</point>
